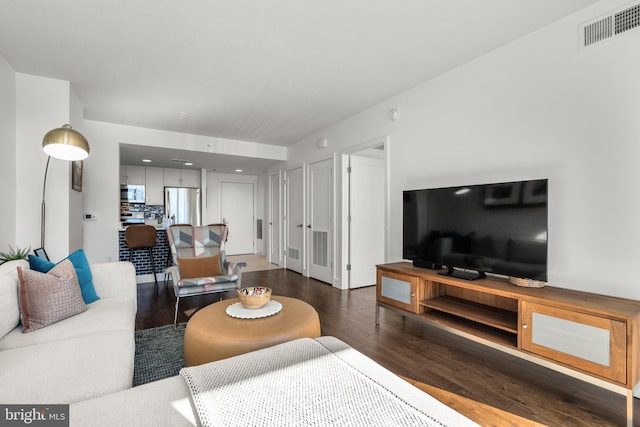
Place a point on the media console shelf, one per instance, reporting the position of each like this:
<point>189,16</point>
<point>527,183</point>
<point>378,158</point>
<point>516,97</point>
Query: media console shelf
<point>595,335</point>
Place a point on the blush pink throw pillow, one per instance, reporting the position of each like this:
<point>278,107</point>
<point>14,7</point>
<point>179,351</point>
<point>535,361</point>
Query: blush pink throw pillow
<point>47,298</point>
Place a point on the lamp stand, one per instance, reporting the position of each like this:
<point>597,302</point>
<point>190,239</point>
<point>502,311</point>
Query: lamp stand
<point>42,214</point>
<point>66,144</point>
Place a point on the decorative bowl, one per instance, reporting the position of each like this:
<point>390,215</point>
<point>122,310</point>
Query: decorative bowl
<point>526,283</point>
<point>254,297</point>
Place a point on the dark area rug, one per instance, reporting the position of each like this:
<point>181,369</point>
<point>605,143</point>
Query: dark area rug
<point>159,353</point>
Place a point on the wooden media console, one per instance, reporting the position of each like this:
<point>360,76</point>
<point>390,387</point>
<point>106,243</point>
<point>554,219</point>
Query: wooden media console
<point>592,335</point>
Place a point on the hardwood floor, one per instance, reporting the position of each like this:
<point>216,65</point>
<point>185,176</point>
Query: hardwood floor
<point>411,348</point>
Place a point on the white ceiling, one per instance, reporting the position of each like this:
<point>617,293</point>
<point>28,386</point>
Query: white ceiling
<point>264,71</point>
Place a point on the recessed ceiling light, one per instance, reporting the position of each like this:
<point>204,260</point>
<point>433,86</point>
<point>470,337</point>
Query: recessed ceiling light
<point>146,160</point>
<point>238,170</point>
<point>188,164</point>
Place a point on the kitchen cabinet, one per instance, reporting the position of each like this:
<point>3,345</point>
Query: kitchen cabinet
<point>154,186</point>
<point>132,175</point>
<point>181,178</point>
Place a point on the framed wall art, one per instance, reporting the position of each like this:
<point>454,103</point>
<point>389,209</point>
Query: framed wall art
<point>76,175</point>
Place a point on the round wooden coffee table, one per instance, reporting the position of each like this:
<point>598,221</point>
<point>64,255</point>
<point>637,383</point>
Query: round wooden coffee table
<point>212,334</point>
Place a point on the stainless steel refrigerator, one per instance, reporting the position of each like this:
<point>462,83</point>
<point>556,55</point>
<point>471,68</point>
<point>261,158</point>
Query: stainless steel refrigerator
<point>182,205</point>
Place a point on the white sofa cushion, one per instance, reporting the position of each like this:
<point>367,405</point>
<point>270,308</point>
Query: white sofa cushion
<point>115,279</point>
<point>158,403</point>
<point>69,370</point>
<point>106,314</point>
<point>9,311</point>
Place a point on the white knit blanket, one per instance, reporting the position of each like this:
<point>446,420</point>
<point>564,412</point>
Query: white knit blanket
<point>294,384</point>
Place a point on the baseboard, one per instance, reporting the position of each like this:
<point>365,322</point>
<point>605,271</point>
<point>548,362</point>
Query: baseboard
<point>147,278</point>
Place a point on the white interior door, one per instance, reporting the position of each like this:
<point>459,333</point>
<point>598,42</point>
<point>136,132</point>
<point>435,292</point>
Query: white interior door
<point>366,225</point>
<point>274,219</point>
<point>294,218</point>
<point>319,224</point>
<point>237,211</point>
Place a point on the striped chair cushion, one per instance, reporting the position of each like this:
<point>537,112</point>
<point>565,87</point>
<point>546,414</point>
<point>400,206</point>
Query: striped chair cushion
<point>188,241</point>
<point>206,284</point>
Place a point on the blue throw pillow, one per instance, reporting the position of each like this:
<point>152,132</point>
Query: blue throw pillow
<point>40,264</point>
<point>80,264</point>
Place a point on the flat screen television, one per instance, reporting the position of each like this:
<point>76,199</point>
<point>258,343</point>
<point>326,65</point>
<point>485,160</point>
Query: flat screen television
<point>477,229</point>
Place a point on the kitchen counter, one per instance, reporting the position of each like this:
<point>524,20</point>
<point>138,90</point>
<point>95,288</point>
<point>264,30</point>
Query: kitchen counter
<point>157,227</point>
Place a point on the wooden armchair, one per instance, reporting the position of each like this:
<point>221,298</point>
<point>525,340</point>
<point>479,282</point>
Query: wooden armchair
<point>199,263</point>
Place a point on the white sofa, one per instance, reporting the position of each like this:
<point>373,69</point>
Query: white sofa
<point>84,356</point>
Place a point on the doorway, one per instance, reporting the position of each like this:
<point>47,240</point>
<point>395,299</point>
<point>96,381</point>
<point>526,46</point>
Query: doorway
<point>364,213</point>
<point>274,219</point>
<point>237,209</point>
<point>294,219</point>
<point>320,217</point>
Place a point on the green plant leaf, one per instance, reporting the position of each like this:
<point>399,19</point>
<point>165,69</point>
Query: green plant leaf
<point>14,254</point>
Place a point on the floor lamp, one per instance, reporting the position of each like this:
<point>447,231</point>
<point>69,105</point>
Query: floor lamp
<point>62,143</point>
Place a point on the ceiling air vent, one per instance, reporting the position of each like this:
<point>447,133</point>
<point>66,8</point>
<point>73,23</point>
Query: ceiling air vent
<point>627,19</point>
<point>609,26</point>
<point>598,31</point>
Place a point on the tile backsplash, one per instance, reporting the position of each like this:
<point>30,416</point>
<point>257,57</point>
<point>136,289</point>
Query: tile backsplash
<point>149,211</point>
<point>153,211</point>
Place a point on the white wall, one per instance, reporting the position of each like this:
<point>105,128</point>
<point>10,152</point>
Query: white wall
<point>101,174</point>
<point>262,209</point>
<point>8,157</point>
<point>42,104</point>
<point>101,189</point>
<point>538,107</point>
<point>30,106</point>
<point>76,235</point>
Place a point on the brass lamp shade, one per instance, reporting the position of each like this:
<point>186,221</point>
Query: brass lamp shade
<point>66,144</point>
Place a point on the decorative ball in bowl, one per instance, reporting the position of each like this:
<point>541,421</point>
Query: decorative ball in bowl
<point>254,297</point>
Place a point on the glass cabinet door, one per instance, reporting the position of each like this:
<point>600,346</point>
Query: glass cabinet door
<point>593,344</point>
<point>397,290</point>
